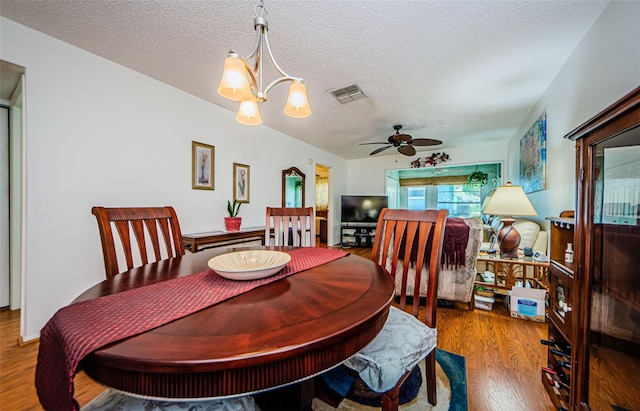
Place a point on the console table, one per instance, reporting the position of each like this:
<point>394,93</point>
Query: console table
<point>508,271</point>
<point>195,241</point>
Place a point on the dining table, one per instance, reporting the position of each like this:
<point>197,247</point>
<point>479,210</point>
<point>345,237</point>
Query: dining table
<point>274,335</point>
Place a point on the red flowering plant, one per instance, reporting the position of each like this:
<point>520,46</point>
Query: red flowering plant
<point>432,160</point>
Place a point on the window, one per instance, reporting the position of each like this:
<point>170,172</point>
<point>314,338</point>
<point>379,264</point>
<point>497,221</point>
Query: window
<point>416,198</point>
<point>460,200</point>
<point>442,188</point>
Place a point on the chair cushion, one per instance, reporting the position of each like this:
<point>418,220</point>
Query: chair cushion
<point>114,400</point>
<point>402,343</point>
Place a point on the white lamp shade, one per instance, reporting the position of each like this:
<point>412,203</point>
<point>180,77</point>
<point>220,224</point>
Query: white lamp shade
<point>509,200</point>
<point>234,84</point>
<point>249,113</point>
<point>485,202</point>
<point>297,102</point>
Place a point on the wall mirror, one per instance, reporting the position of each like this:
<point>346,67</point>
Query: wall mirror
<point>293,187</point>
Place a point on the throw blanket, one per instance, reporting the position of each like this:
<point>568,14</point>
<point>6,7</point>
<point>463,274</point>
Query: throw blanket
<point>65,339</point>
<point>456,236</point>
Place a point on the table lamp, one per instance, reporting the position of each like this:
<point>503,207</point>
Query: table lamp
<point>509,201</point>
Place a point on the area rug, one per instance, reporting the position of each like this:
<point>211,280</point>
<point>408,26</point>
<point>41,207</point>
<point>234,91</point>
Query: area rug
<point>342,394</point>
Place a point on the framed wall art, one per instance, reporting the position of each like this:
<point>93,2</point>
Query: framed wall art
<point>533,156</point>
<point>202,165</point>
<point>241,182</point>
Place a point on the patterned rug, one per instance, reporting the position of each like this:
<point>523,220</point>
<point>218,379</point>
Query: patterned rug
<point>342,393</point>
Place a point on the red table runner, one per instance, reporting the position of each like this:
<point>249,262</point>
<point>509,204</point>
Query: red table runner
<point>81,328</point>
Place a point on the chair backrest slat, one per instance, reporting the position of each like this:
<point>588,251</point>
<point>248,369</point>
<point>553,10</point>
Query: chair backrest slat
<point>164,228</point>
<point>125,240</point>
<point>138,229</point>
<point>290,226</point>
<point>413,241</point>
<point>144,223</point>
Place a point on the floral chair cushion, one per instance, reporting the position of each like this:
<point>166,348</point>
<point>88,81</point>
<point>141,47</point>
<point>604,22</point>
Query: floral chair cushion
<point>402,343</point>
<point>114,400</point>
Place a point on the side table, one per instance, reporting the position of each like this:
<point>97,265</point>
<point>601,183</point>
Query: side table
<point>510,272</point>
<point>195,241</point>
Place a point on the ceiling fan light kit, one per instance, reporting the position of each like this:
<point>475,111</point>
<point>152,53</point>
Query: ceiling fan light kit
<point>242,83</point>
<point>403,142</point>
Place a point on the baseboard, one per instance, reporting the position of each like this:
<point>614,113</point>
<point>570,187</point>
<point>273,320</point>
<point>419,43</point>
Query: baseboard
<point>22,343</point>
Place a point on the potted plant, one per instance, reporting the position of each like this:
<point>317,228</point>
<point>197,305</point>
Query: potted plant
<point>232,223</point>
<point>477,179</point>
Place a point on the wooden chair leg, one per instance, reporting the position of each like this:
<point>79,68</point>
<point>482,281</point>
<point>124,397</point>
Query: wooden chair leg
<point>430,378</point>
<point>390,400</point>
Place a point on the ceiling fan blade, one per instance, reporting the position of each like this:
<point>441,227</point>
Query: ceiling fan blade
<point>376,151</point>
<point>407,150</point>
<point>377,142</point>
<point>425,142</point>
<point>401,137</point>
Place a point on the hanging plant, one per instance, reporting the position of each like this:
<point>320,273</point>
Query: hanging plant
<point>432,160</point>
<point>477,179</point>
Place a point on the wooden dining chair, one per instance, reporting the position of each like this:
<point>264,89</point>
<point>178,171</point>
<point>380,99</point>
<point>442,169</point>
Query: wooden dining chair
<point>156,228</point>
<point>406,240</point>
<point>290,226</point>
<point>156,231</point>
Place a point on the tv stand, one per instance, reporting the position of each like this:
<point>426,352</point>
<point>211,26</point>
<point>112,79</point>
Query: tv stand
<point>361,234</point>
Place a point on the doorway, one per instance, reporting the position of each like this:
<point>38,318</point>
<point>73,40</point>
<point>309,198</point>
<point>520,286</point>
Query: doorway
<point>4,206</point>
<point>322,204</point>
<point>11,186</point>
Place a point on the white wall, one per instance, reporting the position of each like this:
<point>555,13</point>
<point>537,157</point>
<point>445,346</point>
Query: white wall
<point>604,67</point>
<point>98,133</point>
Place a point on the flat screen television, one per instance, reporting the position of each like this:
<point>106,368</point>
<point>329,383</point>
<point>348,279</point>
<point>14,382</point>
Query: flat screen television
<point>362,209</point>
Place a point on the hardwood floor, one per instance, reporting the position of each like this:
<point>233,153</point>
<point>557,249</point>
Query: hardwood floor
<point>503,357</point>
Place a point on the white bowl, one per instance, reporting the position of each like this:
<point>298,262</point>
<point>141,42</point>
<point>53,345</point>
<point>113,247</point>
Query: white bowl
<point>249,264</point>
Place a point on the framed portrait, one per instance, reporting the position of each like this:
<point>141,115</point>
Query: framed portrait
<point>241,182</point>
<point>533,156</point>
<point>202,164</point>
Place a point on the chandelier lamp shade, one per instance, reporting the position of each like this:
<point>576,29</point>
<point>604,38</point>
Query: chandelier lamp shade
<point>509,201</point>
<point>243,83</point>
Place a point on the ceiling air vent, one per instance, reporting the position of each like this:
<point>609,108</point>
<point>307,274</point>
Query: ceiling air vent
<point>348,94</point>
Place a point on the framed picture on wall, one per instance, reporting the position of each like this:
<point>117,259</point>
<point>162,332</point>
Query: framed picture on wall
<point>202,164</point>
<point>241,182</point>
<point>533,156</point>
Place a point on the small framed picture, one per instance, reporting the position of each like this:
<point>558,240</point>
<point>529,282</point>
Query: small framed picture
<point>202,164</point>
<point>241,182</point>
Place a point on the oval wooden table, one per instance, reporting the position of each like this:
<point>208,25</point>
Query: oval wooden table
<point>277,334</point>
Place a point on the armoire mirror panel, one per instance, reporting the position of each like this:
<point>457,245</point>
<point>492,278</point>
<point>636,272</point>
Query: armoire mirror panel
<point>293,187</point>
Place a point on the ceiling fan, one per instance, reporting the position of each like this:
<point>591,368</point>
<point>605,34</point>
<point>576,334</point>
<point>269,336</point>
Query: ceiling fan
<point>404,142</point>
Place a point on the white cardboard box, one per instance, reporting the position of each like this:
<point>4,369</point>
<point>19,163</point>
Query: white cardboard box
<point>527,303</point>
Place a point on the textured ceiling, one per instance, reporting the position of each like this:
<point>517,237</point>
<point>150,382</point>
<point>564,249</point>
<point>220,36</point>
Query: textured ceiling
<point>460,71</point>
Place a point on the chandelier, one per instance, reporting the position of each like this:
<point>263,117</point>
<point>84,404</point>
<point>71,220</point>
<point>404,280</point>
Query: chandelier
<point>242,83</point>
